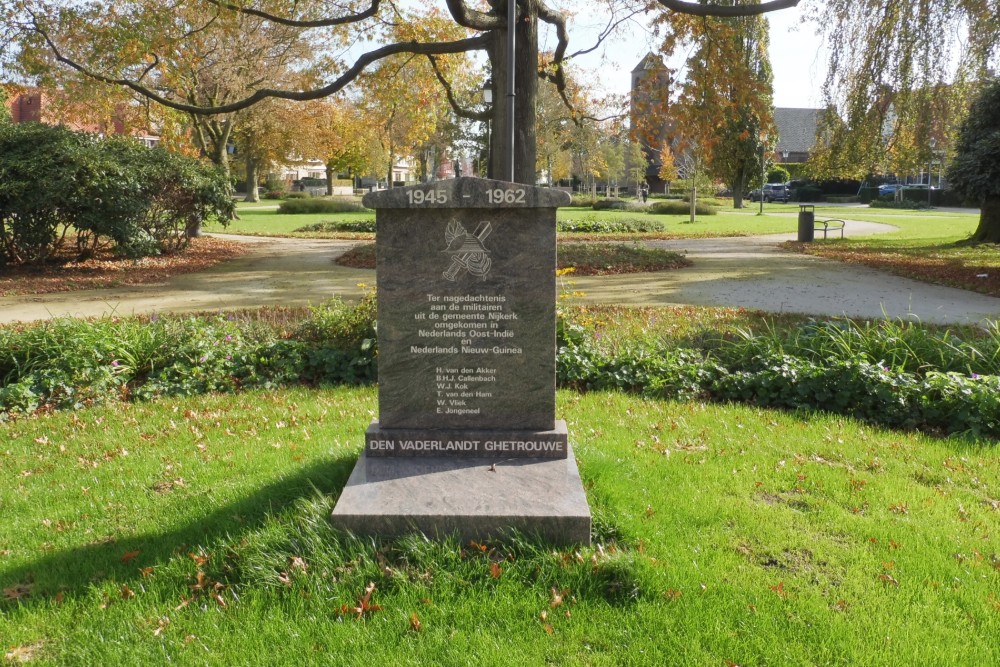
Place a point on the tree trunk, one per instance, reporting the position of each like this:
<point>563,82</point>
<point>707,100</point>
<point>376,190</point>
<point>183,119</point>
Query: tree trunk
<point>694,199</point>
<point>526,91</point>
<point>251,183</point>
<point>989,222</point>
<point>329,179</point>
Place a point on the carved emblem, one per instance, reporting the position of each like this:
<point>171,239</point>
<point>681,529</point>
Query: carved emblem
<point>466,250</point>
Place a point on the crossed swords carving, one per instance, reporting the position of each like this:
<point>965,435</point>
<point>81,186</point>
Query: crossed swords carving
<point>467,250</point>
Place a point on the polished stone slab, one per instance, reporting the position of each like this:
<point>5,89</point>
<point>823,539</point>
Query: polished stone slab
<point>466,305</point>
<point>506,443</point>
<point>472,498</point>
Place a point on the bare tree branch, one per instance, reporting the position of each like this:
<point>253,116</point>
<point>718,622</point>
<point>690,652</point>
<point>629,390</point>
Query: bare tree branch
<point>471,18</point>
<point>294,23</point>
<point>459,110</point>
<point>709,9</point>
<point>459,46</point>
<point>608,29</point>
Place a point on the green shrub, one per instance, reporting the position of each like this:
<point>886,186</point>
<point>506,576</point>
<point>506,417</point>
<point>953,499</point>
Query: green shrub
<point>582,201</point>
<point>867,194</point>
<point>907,204</point>
<point>615,204</point>
<point>114,190</point>
<point>807,193</point>
<point>318,205</point>
<point>344,226</point>
<point>298,195</point>
<point>681,208</point>
<point>591,225</point>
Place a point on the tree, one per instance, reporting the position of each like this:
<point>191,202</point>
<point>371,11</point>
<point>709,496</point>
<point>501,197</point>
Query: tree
<point>901,75</point>
<point>975,170</point>
<point>725,102</point>
<point>4,109</point>
<point>668,167</point>
<point>193,55</point>
<point>138,60</point>
<point>636,163</point>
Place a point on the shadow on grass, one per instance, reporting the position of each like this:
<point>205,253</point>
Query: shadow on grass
<point>72,571</point>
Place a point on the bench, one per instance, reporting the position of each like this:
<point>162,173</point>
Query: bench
<point>829,226</point>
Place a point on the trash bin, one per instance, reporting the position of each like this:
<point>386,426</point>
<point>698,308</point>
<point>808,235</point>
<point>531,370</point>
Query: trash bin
<point>807,221</point>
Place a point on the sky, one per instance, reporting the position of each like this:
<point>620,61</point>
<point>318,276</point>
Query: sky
<point>797,59</point>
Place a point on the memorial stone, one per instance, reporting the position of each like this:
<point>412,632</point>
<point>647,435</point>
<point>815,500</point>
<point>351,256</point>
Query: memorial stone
<point>466,297</point>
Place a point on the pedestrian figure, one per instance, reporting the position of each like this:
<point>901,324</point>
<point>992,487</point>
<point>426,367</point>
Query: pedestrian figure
<point>644,192</point>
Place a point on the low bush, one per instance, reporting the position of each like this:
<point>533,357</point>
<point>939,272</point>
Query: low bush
<point>99,193</point>
<point>592,225</point>
<point>582,201</point>
<point>681,208</point>
<point>318,205</point>
<point>298,195</point>
<point>906,204</point>
<point>807,193</point>
<point>892,374</point>
<point>69,363</point>
<point>342,226</point>
<point>615,204</point>
<point>663,195</point>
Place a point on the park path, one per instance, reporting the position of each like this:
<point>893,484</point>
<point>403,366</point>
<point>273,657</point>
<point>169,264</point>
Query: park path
<point>748,271</point>
<point>753,272</point>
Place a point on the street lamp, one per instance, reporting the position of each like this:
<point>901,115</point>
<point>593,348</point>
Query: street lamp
<point>763,170</point>
<point>488,101</point>
<point>930,165</point>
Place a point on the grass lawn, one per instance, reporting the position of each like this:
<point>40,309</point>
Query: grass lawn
<point>195,532</point>
<point>926,247</point>
<point>264,220</point>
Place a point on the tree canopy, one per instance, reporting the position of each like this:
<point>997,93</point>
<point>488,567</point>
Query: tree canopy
<point>975,171</point>
<point>133,44</point>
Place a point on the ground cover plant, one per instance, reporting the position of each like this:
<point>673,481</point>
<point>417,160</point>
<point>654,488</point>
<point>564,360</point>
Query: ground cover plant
<point>901,375</point>
<point>196,531</point>
<point>584,259</point>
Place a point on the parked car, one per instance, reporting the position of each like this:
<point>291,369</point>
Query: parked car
<point>773,192</point>
<point>887,189</point>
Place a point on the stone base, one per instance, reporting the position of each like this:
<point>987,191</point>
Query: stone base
<point>468,442</point>
<point>473,498</point>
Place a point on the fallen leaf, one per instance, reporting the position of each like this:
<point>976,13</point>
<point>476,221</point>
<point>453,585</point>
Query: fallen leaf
<point>495,570</point>
<point>888,579</point>
<point>126,592</point>
<point>297,563</point>
<point>20,654</point>
<point>415,623</point>
<point>161,626</point>
<point>129,555</point>
<point>780,589</point>
<point>200,559</point>
<point>146,571</point>
<point>17,591</point>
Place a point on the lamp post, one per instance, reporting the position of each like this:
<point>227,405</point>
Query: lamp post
<point>930,165</point>
<point>488,101</point>
<point>763,170</point>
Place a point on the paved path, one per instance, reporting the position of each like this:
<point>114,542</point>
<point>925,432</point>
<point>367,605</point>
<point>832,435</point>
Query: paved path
<point>752,272</point>
<point>748,271</point>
